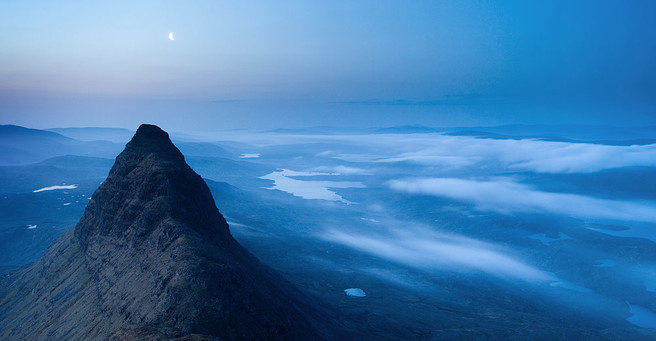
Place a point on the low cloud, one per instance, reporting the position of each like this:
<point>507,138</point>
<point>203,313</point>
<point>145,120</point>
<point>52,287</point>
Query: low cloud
<point>561,157</point>
<point>427,159</point>
<point>506,196</point>
<point>465,151</point>
<point>429,250</point>
<point>505,154</point>
<point>342,170</point>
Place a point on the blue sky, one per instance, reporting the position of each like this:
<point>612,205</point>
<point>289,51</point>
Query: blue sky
<point>299,63</point>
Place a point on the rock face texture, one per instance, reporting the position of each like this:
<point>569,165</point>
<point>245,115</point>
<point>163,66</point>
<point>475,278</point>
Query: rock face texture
<point>152,258</point>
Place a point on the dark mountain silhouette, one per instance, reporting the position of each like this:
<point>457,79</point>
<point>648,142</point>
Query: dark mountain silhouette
<point>152,258</point>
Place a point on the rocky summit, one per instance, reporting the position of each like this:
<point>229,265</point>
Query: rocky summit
<point>152,258</point>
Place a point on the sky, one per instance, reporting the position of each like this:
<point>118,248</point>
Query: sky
<point>248,64</point>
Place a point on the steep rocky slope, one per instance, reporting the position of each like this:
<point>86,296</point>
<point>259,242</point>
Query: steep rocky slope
<point>152,258</point>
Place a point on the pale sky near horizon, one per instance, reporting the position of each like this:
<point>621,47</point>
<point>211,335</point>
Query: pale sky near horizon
<point>297,63</point>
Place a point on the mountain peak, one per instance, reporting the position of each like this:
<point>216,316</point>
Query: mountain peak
<point>150,138</point>
<point>149,141</point>
<point>151,131</point>
<point>149,185</point>
<point>152,253</point>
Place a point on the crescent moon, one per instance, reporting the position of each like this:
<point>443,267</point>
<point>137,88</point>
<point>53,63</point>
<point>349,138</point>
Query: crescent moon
<point>171,36</point>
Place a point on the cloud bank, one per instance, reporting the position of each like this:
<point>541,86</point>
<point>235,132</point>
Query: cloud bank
<point>506,196</point>
<point>341,170</point>
<point>426,250</point>
<point>434,149</point>
<point>522,155</point>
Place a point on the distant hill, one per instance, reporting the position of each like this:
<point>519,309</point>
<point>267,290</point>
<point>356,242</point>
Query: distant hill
<point>495,136</point>
<point>14,134</point>
<point>117,135</point>
<point>565,133</point>
<point>407,129</point>
<point>203,149</point>
<point>621,136</point>
<point>322,130</point>
<point>57,170</point>
<point>19,145</point>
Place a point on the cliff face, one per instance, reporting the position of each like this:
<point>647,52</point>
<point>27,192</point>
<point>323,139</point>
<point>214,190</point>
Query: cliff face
<point>151,257</point>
